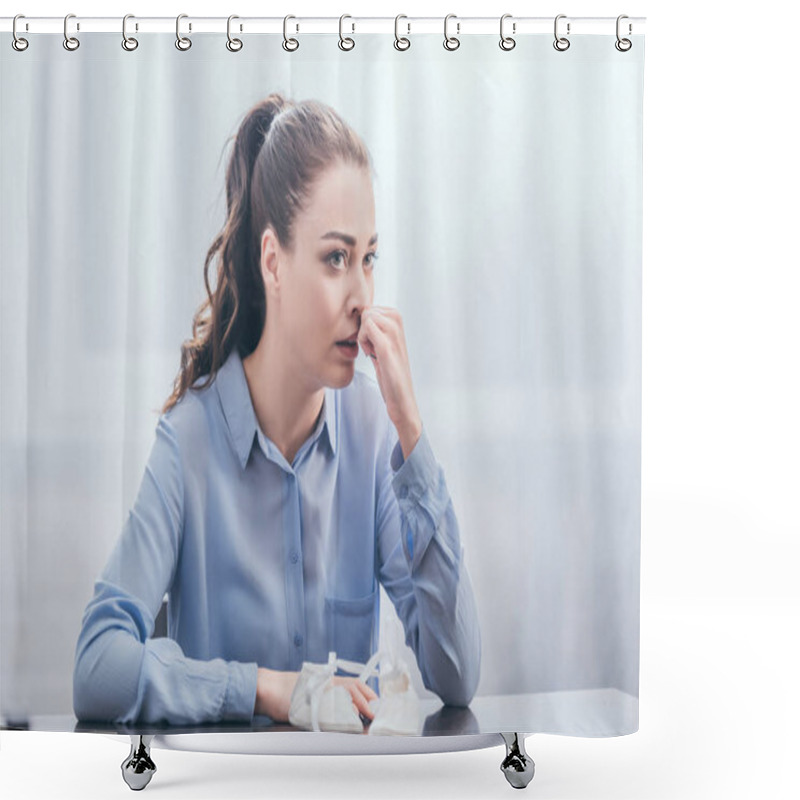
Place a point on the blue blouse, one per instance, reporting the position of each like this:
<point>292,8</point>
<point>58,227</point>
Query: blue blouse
<point>270,564</point>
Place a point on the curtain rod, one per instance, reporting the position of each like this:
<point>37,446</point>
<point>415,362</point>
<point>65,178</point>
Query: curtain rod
<point>306,25</point>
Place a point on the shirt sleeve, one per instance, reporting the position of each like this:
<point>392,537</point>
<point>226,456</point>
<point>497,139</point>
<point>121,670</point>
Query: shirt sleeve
<point>123,675</point>
<point>421,564</point>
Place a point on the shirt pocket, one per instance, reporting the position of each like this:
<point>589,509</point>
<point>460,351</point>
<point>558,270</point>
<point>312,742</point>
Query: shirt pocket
<point>351,624</point>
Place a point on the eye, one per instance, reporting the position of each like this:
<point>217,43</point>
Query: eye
<point>334,256</point>
<point>334,259</point>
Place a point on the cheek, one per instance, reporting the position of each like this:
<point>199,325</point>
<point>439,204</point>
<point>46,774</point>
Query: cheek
<point>322,312</point>
<point>313,301</point>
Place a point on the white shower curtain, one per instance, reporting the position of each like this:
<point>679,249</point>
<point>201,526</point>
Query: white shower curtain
<point>508,197</point>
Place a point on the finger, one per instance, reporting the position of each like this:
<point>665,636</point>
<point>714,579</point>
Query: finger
<point>359,701</point>
<point>372,339</point>
<point>366,344</point>
<point>386,320</point>
<point>364,339</point>
<point>392,325</point>
<point>366,693</point>
<point>367,690</point>
<point>378,338</point>
<point>383,311</point>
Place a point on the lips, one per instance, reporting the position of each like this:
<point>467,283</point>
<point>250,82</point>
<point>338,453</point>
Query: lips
<point>352,340</point>
<point>349,349</point>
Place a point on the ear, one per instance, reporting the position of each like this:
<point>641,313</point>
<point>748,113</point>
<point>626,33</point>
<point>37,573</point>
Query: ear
<point>270,248</point>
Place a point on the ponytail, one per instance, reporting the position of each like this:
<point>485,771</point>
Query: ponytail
<point>236,309</point>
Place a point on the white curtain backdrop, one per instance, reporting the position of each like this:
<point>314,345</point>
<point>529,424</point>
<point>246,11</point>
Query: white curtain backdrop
<point>508,199</point>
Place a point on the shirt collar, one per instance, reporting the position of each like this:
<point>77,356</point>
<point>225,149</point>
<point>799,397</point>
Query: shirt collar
<point>240,416</point>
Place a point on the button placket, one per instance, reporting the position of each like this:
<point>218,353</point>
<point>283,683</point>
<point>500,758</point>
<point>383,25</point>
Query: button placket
<point>295,596</point>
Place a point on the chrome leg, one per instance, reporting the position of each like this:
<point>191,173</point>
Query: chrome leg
<point>517,766</point>
<point>138,768</point>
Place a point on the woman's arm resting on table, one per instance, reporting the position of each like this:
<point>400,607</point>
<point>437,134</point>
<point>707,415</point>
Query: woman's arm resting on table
<point>422,570</point>
<point>121,674</point>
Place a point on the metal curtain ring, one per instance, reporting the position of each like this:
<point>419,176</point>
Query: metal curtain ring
<point>506,42</point>
<point>451,42</point>
<point>561,43</point>
<point>181,42</point>
<point>401,43</point>
<point>18,43</point>
<point>70,42</point>
<point>623,45</point>
<point>234,45</point>
<point>289,44</point>
<point>348,43</point>
<point>128,42</point>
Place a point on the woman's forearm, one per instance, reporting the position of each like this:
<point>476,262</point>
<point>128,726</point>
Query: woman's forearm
<point>444,632</point>
<point>118,678</point>
<point>448,635</point>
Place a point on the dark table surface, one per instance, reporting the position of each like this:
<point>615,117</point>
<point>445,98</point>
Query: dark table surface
<point>585,712</point>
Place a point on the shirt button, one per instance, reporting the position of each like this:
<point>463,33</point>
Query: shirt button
<point>404,491</point>
<point>294,558</point>
<point>298,640</point>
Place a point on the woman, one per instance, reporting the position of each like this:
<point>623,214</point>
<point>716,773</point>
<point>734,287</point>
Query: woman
<point>282,484</point>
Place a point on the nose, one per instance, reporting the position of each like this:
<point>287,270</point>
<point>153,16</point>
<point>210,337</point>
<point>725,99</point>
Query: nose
<point>361,291</point>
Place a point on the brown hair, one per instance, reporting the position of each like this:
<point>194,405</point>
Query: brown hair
<point>279,150</point>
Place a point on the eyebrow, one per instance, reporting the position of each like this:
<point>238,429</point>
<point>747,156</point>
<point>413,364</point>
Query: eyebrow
<point>348,240</point>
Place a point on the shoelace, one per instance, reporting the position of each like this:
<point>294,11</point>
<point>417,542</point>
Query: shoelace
<point>316,685</point>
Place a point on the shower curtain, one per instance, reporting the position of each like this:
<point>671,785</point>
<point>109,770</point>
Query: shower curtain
<point>507,191</point>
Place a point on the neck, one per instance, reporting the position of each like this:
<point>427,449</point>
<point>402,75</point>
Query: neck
<point>286,405</point>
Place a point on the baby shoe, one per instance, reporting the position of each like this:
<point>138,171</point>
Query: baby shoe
<point>317,704</point>
<point>397,710</point>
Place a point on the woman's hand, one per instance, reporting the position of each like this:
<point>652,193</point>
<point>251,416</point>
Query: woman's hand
<point>382,338</point>
<point>274,693</point>
<point>359,692</point>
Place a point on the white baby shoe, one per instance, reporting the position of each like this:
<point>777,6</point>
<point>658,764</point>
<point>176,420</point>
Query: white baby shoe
<point>397,710</point>
<point>317,704</point>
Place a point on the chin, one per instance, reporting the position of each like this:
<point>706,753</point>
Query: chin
<point>343,378</point>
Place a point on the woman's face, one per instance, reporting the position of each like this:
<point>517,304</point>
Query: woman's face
<point>322,288</point>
